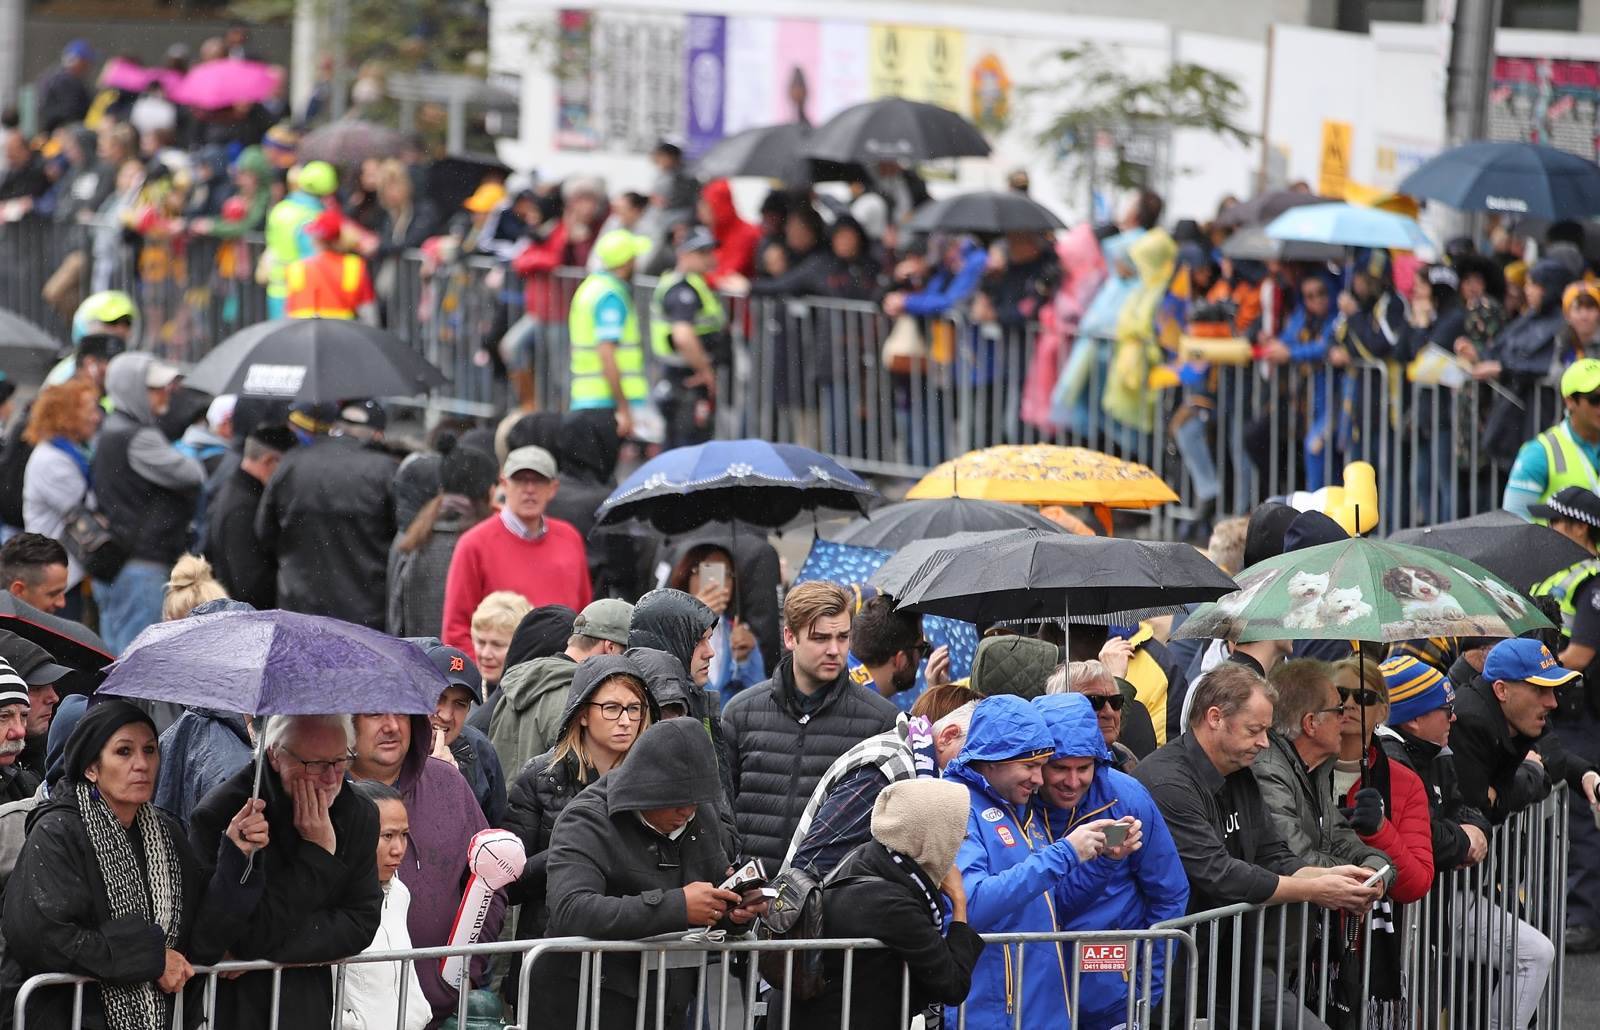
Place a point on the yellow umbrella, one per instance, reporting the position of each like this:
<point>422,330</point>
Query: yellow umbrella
<point>1045,474</point>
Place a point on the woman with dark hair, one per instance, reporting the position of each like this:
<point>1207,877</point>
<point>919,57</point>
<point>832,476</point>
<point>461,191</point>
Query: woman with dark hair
<point>107,885</point>
<point>707,571</point>
<point>372,989</point>
<point>419,561</point>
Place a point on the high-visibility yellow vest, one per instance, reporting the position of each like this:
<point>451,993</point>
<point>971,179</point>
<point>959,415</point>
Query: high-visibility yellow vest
<point>1564,587</point>
<point>1565,462</point>
<point>589,386</point>
<point>313,291</point>
<point>708,321</point>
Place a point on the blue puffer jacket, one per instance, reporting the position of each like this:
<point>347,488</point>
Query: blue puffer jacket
<point>1102,894</point>
<point>1008,867</point>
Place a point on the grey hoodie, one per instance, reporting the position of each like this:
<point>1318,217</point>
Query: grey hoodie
<point>150,453</point>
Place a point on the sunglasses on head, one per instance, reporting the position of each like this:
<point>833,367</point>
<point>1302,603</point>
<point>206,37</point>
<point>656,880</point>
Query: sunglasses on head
<point>1114,700</point>
<point>1361,696</point>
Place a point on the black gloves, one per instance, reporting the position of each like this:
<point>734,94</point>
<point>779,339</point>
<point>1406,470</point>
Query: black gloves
<point>1367,813</point>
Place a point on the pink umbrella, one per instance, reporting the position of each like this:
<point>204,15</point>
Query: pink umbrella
<point>128,76</point>
<point>215,85</point>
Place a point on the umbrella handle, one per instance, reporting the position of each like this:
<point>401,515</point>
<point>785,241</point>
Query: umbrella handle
<point>255,792</point>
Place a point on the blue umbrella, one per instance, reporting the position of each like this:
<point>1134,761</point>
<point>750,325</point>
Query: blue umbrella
<point>276,663</point>
<point>1515,178</point>
<point>753,481</point>
<point>1346,225</point>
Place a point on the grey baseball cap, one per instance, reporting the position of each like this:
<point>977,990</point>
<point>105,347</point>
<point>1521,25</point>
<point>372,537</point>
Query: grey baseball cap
<point>699,238</point>
<point>605,619</point>
<point>530,459</point>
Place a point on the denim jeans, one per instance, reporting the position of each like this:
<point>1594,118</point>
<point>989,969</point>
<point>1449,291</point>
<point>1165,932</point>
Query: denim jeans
<point>1198,460</point>
<point>130,602</point>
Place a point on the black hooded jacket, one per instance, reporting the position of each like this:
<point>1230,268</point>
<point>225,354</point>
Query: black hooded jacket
<point>1435,766</point>
<point>613,877</point>
<point>778,754</point>
<point>664,677</point>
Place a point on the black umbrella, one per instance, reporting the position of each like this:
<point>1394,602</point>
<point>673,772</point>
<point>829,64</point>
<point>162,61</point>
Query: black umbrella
<point>26,351</point>
<point>893,129</point>
<point>350,141</point>
<point>314,360</point>
<point>450,180</point>
<point>770,152</point>
<point>1253,244</point>
<point>1037,575</point>
<point>71,643</point>
<point>1509,178</point>
<point>1518,551</point>
<point>901,567</point>
<point>987,212</point>
<point>896,526</point>
<point>1264,207</point>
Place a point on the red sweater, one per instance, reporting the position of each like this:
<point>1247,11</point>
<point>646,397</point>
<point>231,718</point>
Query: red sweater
<point>553,569</point>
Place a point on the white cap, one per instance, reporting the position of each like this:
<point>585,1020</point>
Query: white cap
<point>221,410</point>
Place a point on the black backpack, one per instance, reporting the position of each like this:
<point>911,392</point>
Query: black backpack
<point>796,915</point>
<point>14,452</point>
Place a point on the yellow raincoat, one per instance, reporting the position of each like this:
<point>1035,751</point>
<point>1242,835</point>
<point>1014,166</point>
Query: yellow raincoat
<point>1128,398</point>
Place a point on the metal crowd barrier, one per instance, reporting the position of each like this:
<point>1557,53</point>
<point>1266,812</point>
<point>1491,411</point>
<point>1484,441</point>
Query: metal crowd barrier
<point>814,371</point>
<point>1460,947</point>
<point>723,997</point>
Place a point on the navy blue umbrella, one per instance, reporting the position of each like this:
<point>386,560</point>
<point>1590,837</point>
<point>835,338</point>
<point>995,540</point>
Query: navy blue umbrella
<point>765,484</point>
<point>1510,178</point>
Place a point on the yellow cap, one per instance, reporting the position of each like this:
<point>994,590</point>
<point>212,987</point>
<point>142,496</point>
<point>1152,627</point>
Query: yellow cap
<point>619,246</point>
<point>485,197</point>
<point>1582,376</point>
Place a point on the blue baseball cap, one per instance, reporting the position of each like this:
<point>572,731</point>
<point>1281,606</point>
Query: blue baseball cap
<point>78,50</point>
<point>1526,661</point>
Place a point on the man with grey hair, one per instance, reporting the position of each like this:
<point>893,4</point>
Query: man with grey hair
<point>312,894</point>
<point>1094,681</point>
<point>1231,849</point>
<point>1296,771</point>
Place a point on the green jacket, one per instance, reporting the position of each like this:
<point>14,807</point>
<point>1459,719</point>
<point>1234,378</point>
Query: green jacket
<point>527,718</point>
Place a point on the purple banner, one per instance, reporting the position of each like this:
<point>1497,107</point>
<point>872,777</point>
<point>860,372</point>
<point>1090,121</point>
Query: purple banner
<point>704,76</point>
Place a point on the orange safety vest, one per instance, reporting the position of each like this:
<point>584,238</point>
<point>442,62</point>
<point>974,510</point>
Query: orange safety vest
<point>326,285</point>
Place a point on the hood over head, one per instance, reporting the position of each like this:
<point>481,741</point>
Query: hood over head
<point>590,675</point>
<point>125,377</point>
<point>90,736</point>
<point>671,621</point>
<point>541,633</point>
<point>1264,536</point>
<point>67,716</point>
<point>1076,729</point>
<point>587,446</point>
<point>1550,273</point>
<point>672,764</point>
<point>664,676</point>
<point>1311,528</point>
<point>1002,729</point>
<point>1013,664</point>
<point>1079,251</point>
<point>925,820</point>
<point>718,196</point>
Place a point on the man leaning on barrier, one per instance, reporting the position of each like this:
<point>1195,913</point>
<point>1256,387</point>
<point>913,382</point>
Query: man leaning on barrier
<point>1231,851</point>
<point>319,897</point>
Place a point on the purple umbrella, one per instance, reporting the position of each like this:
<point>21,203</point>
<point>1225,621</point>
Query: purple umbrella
<point>215,85</point>
<point>276,663</point>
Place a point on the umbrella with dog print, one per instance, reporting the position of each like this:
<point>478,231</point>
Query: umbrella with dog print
<point>1364,589</point>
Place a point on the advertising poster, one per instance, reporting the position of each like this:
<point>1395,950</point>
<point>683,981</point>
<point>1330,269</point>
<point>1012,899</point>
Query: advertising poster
<point>638,80</point>
<point>751,53</point>
<point>919,64</point>
<point>842,80</point>
<point>705,36</point>
<point>575,128</point>
<point>889,63</point>
<point>1541,100</point>
<point>990,92</point>
<point>796,70</point>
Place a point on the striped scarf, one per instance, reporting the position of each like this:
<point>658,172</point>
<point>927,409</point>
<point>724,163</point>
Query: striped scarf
<point>134,1006</point>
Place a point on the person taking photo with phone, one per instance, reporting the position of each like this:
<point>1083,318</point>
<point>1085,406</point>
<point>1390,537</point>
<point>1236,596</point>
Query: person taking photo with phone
<point>707,572</point>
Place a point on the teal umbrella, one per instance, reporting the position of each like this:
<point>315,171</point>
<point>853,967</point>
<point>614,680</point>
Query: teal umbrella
<point>1346,225</point>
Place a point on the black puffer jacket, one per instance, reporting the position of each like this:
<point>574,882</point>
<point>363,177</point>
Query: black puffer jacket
<point>1436,767</point>
<point>328,514</point>
<point>543,788</point>
<point>778,755</point>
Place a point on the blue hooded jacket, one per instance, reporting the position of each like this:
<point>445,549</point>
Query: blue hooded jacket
<point>1008,867</point>
<point>1102,894</point>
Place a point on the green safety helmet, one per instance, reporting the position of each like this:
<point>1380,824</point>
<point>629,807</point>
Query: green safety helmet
<point>318,178</point>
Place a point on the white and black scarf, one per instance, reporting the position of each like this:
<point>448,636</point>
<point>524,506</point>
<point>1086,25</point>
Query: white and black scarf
<point>135,1006</point>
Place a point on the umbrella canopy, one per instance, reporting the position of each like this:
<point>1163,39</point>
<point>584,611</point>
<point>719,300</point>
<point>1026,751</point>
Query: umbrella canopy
<point>314,360</point>
<point>1514,178</point>
<point>754,481</point>
<point>1035,575</point>
<point>768,152</point>
<point>71,643</point>
<point>26,351</point>
<point>214,85</point>
<point>1362,589</point>
<point>133,77</point>
<point>985,211</point>
<point>892,129</point>
<point>1518,551</point>
<point>901,567</point>
<point>1346,225</point>
<point>1045,474</point>
<point>451,180</point>
<point>350,141</point>
<point>1253,244</point>
<point>276,663</point>
<point>895,526</point>
<point>1264,207</point>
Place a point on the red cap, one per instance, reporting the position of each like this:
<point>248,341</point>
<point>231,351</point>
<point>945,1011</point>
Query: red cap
<point>325,228</point>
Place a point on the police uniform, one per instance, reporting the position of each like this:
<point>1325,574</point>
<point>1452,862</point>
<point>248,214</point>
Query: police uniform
<point>686,409</point>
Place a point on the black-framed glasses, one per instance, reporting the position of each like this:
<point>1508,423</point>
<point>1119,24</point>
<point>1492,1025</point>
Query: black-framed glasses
<point>1360,695</point>
<point>1449,709</point>
<point>920,649</point>
<point>1116,701</point>
<point>329,765</point>
<point>611,711</point>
